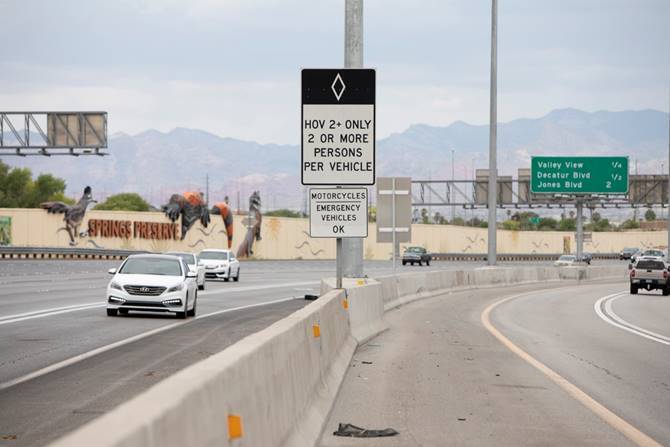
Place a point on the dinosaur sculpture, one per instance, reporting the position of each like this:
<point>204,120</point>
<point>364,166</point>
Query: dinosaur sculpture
<point>253,222</point>
<point>190,206</point>
<point>74,214</point>
<point>223,209</point>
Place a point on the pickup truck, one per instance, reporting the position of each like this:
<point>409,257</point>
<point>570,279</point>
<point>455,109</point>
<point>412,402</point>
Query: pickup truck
<point>650,274</point>
<point>415,254</point>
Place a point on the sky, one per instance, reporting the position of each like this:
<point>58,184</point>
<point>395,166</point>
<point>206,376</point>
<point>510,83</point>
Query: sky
<point>232,67</point>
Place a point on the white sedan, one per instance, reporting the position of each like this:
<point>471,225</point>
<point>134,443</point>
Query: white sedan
<point>194,264</point>
<point>154,283</point>
<point>566,260</point>
<point>220,264</point>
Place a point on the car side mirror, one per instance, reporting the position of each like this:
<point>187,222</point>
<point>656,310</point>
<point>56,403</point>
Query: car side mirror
<point>191,274</point>
<point>111,271</point>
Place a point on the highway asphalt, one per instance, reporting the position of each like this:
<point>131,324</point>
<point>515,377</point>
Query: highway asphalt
<point>63,361</point>
<point>441,378</point>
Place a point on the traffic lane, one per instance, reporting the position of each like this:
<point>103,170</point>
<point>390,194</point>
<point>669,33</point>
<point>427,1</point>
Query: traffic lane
<point>648,310</point>
<point>628,374</point>
<point>31,345</point>
<point>43,409</point>
<point>38,294</point>
<point>440,379</point>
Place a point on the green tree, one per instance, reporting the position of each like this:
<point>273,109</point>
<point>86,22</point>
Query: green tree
<point>458,221</point>
<point>126,201</point>
<point>424,216</point>
<point>18,190</point>
<point>284,213</point>
<point>630,224</point>
<point>512,225</point>
<point>650,215</point>
<point>547,224</point>
<point>568,224</point>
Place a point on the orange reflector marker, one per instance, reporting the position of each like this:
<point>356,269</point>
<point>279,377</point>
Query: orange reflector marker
<point>360,282</point>
<point>345,303</point>
<point>316,329</point>
<point>234,426</point>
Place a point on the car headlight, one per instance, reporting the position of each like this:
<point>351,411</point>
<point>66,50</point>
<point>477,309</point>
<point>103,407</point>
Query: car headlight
<point>174,302</point>
<point>176,288</point>
<point>223,266</point>
<point>115,285</point>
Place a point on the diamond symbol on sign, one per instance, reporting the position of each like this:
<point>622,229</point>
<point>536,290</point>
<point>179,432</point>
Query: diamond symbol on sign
<point>338,86</point>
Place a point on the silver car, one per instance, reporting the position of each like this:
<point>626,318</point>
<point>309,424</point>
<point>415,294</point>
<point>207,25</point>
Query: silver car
<point>194,264</point>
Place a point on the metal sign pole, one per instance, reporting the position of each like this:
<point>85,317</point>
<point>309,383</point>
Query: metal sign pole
<point>668,177</point>
<point>580,229</point>
<point>353,58</point>
<point>338,263</point>
<point>393,221</point>
<point>492,199</point>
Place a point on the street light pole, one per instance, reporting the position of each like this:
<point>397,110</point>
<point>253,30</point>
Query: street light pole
<point>491,258</point>
<point>351,249</point>
<point>451,191</point>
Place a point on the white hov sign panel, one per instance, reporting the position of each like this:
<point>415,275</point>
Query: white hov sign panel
<point>338,212</point>
<point>338,127</point>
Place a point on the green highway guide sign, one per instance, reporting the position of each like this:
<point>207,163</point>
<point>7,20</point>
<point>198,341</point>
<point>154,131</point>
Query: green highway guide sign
<point>579,175</point>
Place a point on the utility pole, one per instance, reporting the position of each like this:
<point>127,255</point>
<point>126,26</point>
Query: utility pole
<point>350,250</point>
<point>491,258</point>
<point>451,190</point>
<point>207,188</point>
<point>668,170</point>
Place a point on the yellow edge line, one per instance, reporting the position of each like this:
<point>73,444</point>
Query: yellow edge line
<point>605,414</point>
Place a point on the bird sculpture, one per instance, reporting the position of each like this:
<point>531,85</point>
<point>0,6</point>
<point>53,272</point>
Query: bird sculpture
<point>74,214</point>
<point>223,209</point>
<point>191,207</point>
<point>253,222</point>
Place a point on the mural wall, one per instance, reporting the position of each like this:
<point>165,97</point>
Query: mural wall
<point>279,238</point>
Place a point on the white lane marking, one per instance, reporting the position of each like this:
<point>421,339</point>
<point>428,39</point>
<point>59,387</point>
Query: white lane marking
<point>263,287</point>
<point>628,430</point>
<point>77,307</point>
<point>609,316</point>
<point>117,344</point>
<point>48,312</point>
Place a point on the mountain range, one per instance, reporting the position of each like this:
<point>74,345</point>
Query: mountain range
<point>157,164</point>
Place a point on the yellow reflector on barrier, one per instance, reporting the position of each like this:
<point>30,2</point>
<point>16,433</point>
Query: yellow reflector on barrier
<point>316,329</point>
<point>345,303</point>
<point>234,426</point>
<point>360,282</point>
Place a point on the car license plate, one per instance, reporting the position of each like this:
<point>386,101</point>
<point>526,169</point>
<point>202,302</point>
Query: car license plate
<point>649,281</point>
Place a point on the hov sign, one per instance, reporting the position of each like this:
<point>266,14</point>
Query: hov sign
<point>338,127</point>
<point>338,212</point>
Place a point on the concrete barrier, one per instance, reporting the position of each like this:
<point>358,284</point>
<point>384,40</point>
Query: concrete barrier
<point>366,306</point>
<point>278,383</point>
<point>276,387</point>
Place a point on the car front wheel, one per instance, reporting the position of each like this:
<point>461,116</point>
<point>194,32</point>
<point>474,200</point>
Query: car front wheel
<point>202,286</point>
<point>633,289</point>
<point>191,313</point>
<point>183,315</point>
<point>237,277</point>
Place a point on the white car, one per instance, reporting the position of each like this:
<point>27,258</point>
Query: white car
<point>154,283</point>
<point>194,264</point>
<point>220,264</point>
<point>566,260</point>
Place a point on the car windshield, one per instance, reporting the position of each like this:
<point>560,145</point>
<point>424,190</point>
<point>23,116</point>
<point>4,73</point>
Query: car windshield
<point>650,265</point>
<point>186,257</point>
<point>566,258</point>
<point>653,253</point>
<point>221,255</point>
<point>630,250</point>
<point>151,266</point>
<point>415,250</point>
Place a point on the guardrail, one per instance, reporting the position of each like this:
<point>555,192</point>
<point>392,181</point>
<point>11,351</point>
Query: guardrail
<point>473,257</point>
<point>64,253</point>
<point>101,253</point>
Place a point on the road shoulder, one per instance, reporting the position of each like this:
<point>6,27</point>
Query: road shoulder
<point>440,379</point>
